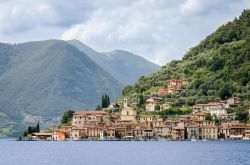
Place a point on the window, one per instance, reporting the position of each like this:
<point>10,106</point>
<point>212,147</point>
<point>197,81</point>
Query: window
<point>127,112</point>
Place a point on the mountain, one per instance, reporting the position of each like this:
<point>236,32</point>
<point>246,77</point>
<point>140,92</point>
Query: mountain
<point>217,68</point>
<point>122,65</point>
<point>44,78</point>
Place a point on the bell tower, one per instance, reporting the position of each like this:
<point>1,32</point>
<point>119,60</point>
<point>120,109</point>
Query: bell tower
<point>125,102</point>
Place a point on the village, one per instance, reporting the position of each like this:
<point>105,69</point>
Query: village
<point>128,124</point>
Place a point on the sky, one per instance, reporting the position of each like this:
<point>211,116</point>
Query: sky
<point>158,30</point>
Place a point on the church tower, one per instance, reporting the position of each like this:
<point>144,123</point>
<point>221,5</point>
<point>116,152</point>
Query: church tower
<point>125,102</point>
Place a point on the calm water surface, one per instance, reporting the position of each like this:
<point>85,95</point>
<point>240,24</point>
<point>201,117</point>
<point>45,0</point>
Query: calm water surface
<point>125,153</point>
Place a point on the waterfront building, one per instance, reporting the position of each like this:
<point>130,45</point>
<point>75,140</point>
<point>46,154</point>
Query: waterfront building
<point>247,131</point>
<point>78,133</point>
<point>178,132</point>
<point>162,131</point>
<point>192,132</point>
<point>209,132</point>
<point>42,136</point>
<point>237,131</point>
<point>62,132</point>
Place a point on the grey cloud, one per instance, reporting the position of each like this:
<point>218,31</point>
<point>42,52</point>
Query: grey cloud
<point>159,30</point>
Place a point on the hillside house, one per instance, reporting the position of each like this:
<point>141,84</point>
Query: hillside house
<point>177,84</point>
<point>212,108</point>
<point>162,92</point>
<point>152,102</point>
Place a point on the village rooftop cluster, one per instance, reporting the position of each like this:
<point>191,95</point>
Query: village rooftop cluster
<point>129,125</point>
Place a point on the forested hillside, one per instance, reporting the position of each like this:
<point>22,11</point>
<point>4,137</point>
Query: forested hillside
<point>217,68</point>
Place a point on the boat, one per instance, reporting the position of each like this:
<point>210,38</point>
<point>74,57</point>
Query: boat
<point>246,138</point>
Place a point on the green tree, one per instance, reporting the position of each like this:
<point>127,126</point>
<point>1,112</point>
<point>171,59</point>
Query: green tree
<point>157,107</point>
<point>225,91</point>
<point>141,101</point>
<point>208,117</point>
<point>38,127</point>
<point>242,116</point>
<point>67,117</point>
<point>30,130</point>
<point>25,133</point>
<point>105,101</point>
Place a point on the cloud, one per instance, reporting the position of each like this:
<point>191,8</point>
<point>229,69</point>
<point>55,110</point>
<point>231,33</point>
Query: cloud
<point>159,30</point>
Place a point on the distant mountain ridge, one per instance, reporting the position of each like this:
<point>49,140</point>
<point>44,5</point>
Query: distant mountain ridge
<point>44,78</point>
<point>40,79</point>
<point>122,65</point>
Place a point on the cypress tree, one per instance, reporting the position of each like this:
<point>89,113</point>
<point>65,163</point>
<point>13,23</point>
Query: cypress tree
<point>38,127</point>
<point>30,130</point>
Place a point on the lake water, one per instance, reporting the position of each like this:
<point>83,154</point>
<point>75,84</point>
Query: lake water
<point>125,153</point>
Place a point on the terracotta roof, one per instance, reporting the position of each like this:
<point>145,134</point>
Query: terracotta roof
<point>90,112</point>
<point>42,134</point>
<point>209,126</point>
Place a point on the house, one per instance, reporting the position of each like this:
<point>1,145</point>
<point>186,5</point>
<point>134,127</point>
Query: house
<point>162,131</point>
<point>42,136</point>
<point>147,134</point>
<point>79,118</point>
<point>209,132</point>
<point>177,84</point>
<point>150,120</point>
<point>224,132</point>
<point>205,107</point>
<point>218,110</point>
<point>237,131</point>
<point>110,133</point>
<point>162,92</point>
<point>128,113</point>
<point>61,133</point>
<point>206,122</point>
<point>94,133</point>
<point>157,120</point>
<point>152,102</point>
<point>178,132</point>
<point>78,133</point>
<point>212,108</point>
<point>192,132</point>
<point>233,101</point>
<point>201,115</point>
<point>230,116</point>
<point>247,131</point>
<point>138,133</point>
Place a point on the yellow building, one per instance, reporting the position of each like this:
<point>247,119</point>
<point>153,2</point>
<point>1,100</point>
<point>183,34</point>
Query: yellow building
<point>209,132</point>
